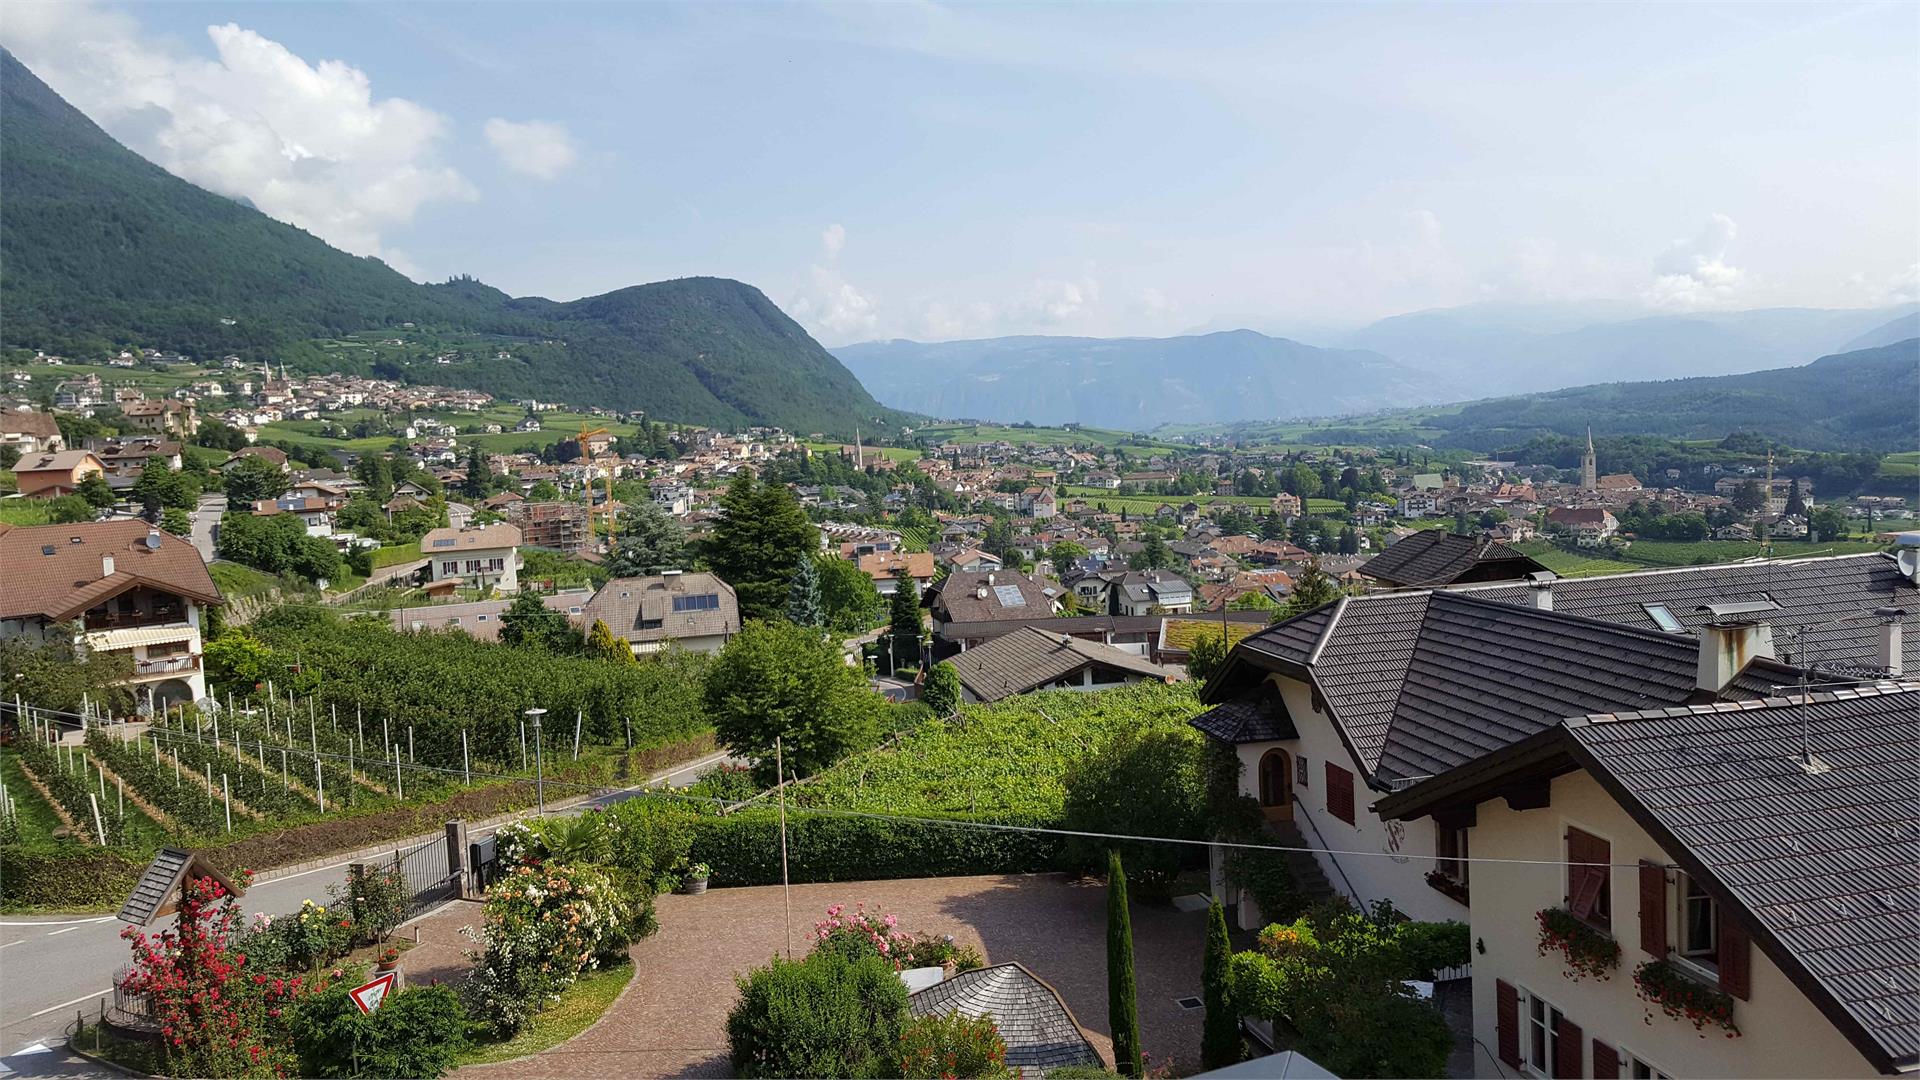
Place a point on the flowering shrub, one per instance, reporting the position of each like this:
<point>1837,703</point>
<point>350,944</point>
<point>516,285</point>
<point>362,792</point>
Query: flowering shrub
<point>1588,952</point>
<point>314,936</point>
<point>861,933</point>
<point>952,1047</point>
<point>375,899</point>
<point>217,1017</point>
<point>1684,998</point>
<point>542,926</point>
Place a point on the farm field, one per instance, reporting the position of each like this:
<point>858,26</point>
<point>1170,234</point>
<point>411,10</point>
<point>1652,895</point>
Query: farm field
<point>1042,436</point>
<point>1569,564</point>
<point>1182,633</point>
<point>1136,503</point>
<point>895,453</point>
<point>1668,553</point>
<point>1904,465</point>
<point>24,511</point>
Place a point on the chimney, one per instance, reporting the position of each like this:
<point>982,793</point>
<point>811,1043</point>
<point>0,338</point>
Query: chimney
<point>1731,639</point>
<point>1540,583</point>
<point>106,566</point>
<point>1890,632</point>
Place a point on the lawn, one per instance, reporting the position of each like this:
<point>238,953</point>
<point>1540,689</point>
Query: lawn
<point>24,512</point>
<point>1570,564</point>
<point>1670,553</point>
<point>395,554</point>
<point>897,453</point>
<point>236,580</point>
<point>573,1012</point>
<point>37,819</point>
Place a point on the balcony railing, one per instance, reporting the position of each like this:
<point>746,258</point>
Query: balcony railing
<point>166,665</point>
<point>120,620</point>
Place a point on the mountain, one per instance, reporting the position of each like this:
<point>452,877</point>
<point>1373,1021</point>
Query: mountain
<point>1900,329</point>
<point>100,247</point>
<point>1518,348</point>
<point>1134,383</point>
<point>1860,400</point>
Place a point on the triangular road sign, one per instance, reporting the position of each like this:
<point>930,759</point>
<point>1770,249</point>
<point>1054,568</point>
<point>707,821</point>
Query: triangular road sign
<point>370,996</point>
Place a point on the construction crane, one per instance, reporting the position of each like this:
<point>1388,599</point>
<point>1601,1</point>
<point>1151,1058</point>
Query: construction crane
<point>586,456</point>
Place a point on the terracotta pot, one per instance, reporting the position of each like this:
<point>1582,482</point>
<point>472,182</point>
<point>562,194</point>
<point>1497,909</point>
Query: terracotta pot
<point>389,965</point>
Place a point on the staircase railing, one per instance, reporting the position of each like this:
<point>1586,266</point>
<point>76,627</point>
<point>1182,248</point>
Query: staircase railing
<point>1337,868</point>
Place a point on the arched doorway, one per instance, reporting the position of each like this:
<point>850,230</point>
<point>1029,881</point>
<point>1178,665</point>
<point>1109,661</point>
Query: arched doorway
<point>1276,784</point>
<point>171,692</point>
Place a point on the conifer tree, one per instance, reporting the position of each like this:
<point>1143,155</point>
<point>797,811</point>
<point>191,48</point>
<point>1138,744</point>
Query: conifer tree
<point>803,595</point>
<point>1220,1039</point>
<point>1123,1006</point>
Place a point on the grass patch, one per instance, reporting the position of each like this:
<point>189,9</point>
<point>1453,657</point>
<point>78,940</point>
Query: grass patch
<point>574,1012</point>
<point>1182,633</point>
<point>37,819</point>
<point>897,453</point>
<point>395,554</point>
<point>1571,564</point>
<point>236,580</point>
<point>1040,436</point>
<point>1671,553</point>
<point>24,512</point>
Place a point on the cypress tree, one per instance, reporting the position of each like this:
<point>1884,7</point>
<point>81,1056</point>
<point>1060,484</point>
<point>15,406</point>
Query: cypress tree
<point>1220,1039</point>
<point>1123,1006</point>
<point>803,595</point>
<point>904,625</point>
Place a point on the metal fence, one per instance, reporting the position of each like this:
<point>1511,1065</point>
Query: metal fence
<point>427,872</point>
<point>130,1011</point>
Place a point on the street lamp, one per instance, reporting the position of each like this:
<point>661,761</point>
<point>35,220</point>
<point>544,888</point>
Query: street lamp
<point>539,770</point>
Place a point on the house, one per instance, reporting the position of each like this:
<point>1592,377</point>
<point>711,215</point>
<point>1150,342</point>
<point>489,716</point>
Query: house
<point>889,568</point>
<point>1040,1032</point>
<point>696,611</point>
<point>1034,659</point>
<point>315,514</point>
<point>1591,526</point>
<point>129,455</point>
<point>1134,592</point>
<point>483,558</point>
<point>967,596</point>
<point>1358,698</point>
<point>1286,505</point>
<point>1618,483</point>
<point>1758,856</point>
<point>1038,503</point>
<point>164,415</point>
<point>131,589</point>
<point>561,526</point>
<point>527,424</point>
<point>268,454</point>
<point>973,561</point>
<point>1434,557</point>
<point>1418,504</point>
<point>50,475</point>
<point>30,432</point>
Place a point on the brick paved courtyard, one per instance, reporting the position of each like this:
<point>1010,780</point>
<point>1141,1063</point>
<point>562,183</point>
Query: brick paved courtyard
<point>671,1021</point>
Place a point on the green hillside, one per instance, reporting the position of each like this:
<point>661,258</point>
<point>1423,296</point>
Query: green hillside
<point>100,248</point>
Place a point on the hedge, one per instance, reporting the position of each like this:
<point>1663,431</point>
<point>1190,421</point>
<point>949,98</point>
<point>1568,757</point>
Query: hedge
<point>67,877</point>
<point>744,848</point>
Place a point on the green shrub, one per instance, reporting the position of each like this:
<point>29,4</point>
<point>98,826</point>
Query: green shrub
<point>377,900</point>
<point>824,1016</point>
<point>1430,946</point>
<point>415,1033</point>
<point>67,877</point>
<point>744,848</point>
<point>1140,785</point>
<point>951,1046</point>
<point>1267,878</point>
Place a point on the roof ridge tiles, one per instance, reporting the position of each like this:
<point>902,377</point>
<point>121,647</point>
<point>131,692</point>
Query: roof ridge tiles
<point>1888,688</point>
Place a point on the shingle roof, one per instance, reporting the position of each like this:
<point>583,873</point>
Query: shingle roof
<point>1038,1028</point>
<point>1423,682</point>
<point>1826,863</point>
<point>1029,659</point>
<point>627,604</point>
<point>66,581</point>
<point>958,596</point>
<point>1246,720</point>
<point>37,424</point>
<point>1433,558</point>
<point>1827,596</point>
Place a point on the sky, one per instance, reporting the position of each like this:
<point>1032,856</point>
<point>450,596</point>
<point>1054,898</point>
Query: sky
<point>941,171</point>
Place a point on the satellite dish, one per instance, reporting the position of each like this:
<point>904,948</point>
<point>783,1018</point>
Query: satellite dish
<point>153,541</point>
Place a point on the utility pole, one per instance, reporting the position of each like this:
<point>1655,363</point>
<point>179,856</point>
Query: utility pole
<point>539,767</point>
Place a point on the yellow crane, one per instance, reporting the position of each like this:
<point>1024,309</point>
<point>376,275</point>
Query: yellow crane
<point>586,455</point>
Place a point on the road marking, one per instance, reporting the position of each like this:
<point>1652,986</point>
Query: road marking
<point>11,943</point>
<point>68,930</point>
<point>70,1004</point>
<point>60,922</point>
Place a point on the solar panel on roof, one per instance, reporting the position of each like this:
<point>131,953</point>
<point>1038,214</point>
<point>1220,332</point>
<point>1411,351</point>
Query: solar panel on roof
<point>1010,596</point>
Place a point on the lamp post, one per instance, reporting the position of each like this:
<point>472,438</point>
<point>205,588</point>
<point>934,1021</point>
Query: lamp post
<point>539,769</point>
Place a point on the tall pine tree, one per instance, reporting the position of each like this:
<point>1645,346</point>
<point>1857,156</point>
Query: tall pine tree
<point>1220,1044</point>
<point>1123,1005</point>
<point>904,625</point>
<point>761,534</point>
<point>803,595</point>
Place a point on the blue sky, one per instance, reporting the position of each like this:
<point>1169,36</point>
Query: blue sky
<point>941,171</point>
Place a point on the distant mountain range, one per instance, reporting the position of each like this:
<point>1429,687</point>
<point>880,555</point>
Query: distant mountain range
<point>99,247</point>
<point>1135,383</point>
<point>1860,400</point>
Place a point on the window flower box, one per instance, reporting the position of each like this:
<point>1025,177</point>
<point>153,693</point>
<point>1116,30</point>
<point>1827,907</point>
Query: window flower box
<point>1589,952</point>
<point>1683,997</point>
<point>1448,887</point>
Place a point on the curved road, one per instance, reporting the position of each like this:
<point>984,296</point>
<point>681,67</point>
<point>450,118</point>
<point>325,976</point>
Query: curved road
<point>52,965</point>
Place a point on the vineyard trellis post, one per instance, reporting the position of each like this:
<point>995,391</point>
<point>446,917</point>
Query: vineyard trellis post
<point>320,784</point>
<point>578,715</point>
<point>466,767</point>
<point>99,827</point>
<point>226,794</point>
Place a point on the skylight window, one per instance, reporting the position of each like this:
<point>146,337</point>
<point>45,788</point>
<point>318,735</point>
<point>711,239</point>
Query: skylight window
<point>1664,618</point>
<point>1010,596</point>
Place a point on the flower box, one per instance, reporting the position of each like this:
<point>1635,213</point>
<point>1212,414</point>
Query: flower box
<point>1447,887</point>
<point>1589,951</point>
<point>1685,998</point>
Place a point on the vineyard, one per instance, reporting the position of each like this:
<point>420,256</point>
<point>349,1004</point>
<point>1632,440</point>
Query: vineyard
<point>1670,553</point>
<point>1006,758</point>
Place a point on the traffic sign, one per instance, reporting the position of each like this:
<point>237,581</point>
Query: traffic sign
<point>370,996</point>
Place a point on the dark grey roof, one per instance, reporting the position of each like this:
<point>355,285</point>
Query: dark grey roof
<point>1247,720</point>
<point>1423,682</point>
<point>1087,624</point>
<point>1009,594</point>
<point>1033,658</point>
<point>1038,1028</point>
<point>1831,597</point>
<point>1433,557</point>
<point>1826,863</point>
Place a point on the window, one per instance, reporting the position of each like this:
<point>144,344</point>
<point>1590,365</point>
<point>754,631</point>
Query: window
<point>702,602</point>
<point>1640,1070</point>
<point>1540,1041</point>
<point>1699,925</point>
<point>1664,618</point>
<point>449,568</point>
<point>495,566</point>
<point>1590,879</point>
<point>1339,793</point>
<point>1104,675</point>
<point>1451,846</point>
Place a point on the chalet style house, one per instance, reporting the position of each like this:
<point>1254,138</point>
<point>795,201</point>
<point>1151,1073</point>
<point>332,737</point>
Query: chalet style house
<point>486,557</point>
<point>696,611</point>
<point>123,587</point>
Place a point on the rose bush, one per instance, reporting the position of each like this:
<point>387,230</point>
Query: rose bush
<point>541,927</point>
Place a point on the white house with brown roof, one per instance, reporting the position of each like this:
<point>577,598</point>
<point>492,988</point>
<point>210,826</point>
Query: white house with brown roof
<point>487,557</point>
<point>30,432</point>
<point>131,589</point>
<point>696,611</point>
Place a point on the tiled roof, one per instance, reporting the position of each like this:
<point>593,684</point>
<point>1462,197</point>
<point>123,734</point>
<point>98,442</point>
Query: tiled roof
<point>626,605</point>
<point>1038,1028</point>
<point>486,537</point>
<point>1829,597</point>
<point>1827,863</point>
<point>37,424</point>
<point>1032,658</point>
<point>1433,557</point>
<point>958,595</point>
<point>1246,720</point>
<point>65,581</point>
<point>64,461</point>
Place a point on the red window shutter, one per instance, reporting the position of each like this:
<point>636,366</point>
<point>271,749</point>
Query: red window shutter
<point>1586,881</point>
<point>1653,911</point>
<point>1506,1003</point>
<point>1568,1050</point>
<point>1339,793</point>
<point>1736,958</point>
<point>1606,1061</point>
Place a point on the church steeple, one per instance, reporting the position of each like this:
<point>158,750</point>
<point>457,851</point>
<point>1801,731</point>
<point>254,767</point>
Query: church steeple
<point>1589,466</point>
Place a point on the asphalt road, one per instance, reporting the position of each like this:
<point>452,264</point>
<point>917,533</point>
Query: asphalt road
<point>204,519</point>
<point>52,965</point>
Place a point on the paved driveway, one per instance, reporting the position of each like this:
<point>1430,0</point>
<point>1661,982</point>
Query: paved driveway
<point>671,1021</point>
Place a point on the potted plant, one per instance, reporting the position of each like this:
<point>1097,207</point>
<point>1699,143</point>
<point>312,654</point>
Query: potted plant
<point>389,959</point>
<point>1588,951</point>
<point>695,882</point>
<point>1685,998</point>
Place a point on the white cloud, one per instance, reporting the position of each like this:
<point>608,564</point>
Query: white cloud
<point>534,147</point>
<point>831,307</point>
<point>832,239</point>
<point>1695,273</point>
<point>1901,288</point>
<point>305,143</point>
